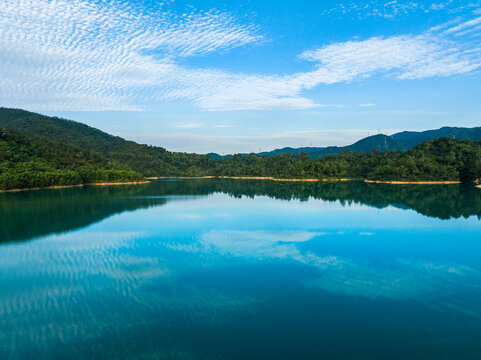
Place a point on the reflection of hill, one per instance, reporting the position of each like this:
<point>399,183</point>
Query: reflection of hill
<point>440,201</point>
<point>31,214</point>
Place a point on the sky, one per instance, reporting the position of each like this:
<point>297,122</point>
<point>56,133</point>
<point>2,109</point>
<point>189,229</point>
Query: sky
<point>243,76</point>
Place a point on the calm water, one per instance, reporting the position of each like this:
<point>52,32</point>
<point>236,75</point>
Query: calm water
<point>211,269</point>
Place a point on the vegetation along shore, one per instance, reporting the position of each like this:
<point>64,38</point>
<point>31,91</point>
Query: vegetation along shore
<point>79,185</point>
<point>38,151</point>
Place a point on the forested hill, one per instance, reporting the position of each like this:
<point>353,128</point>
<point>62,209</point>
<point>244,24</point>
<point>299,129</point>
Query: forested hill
<point>38,162</point>
<point>148,160</point>
<point>59,151</point>
<point>60,130</point>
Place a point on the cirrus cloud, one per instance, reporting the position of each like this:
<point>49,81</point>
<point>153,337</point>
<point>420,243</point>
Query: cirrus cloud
<point>92,55</point>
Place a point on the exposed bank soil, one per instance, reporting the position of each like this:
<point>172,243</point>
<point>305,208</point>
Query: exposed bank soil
<point>179,177</point>
<point>304,180</point>
<point>413,182</point>
<point>243,178</point>
<point>119,183</point>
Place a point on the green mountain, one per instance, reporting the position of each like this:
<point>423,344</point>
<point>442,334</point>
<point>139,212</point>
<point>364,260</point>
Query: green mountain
<point>376,142</point>
<point>413,138</point>
<point>148,160</point>
<point>55,151</point>
<point>401,141</point>
<point>434,160</point>
<point>27,162</point>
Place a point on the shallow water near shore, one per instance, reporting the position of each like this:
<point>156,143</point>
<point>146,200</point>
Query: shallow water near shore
<point>241,269</point>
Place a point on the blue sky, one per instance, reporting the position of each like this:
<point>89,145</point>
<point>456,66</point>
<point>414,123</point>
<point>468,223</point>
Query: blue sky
<point>241,76</point>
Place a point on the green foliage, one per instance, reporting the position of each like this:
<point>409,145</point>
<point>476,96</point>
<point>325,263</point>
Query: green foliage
<point>63,158</point>
<point>443,159</point>
<point>148,160</point>
<point>435,160</point>
<point>37,162</point>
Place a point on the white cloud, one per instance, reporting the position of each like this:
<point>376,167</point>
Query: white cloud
<point>463,26</point>
<point>187,125</point>
<point>222,126</point>
<point>367,105</point>
<point>82,55</point>
<point>401,57</point>
<point>393,9</point>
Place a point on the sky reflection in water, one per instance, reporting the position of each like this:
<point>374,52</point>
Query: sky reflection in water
<point>213,277</point>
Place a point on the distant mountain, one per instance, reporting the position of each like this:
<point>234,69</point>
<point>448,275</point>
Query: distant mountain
<point>401,141</point>
<point>376,142</point>
<point>413,138</point>
<point>216,156</point>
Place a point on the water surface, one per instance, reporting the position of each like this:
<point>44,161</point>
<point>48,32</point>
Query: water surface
<point>224,269</point>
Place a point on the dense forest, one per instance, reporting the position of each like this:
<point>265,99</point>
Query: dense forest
<point>443,159</point>
<point>38,151</point>
<point>37,162</point>
<point>146,159</point>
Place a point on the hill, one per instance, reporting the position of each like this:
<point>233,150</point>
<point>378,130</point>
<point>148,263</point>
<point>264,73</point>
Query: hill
<point>435,160</point>
<point>38,162</point>
<point>148,160</point>
<point>413,138</point>
<point>58,148</point>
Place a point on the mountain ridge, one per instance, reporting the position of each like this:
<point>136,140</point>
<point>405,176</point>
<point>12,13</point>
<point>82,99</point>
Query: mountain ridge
<point>65,143</point>
<point>401,141</point>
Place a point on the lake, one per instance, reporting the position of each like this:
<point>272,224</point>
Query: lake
<point>241,269</point>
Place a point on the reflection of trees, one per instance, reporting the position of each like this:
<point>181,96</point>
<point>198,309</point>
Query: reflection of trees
<point>30,214</point>
<point>440,201</point>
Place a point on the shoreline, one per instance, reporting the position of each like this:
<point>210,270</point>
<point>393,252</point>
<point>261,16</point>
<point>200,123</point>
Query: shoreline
<point>178,177</point>
<point>243,178</point>
<point>393,182</point>
<point>77,185</point>
<point>412,182</point>
<point>235,178</point>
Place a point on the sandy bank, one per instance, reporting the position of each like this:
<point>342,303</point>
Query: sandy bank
<point>179,177</point>
<point>78,185</point>
<point>412,182</point>
<point>119,183</point>
<point>244,178</point>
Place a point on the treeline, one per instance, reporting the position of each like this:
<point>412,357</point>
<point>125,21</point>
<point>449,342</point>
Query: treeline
<point>39,151</point>
<point>37,162</point>
<point>110,158</point>
<point>442,159</point>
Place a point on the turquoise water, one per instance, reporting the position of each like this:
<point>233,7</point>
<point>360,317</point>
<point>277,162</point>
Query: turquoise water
<point>223,269</point>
